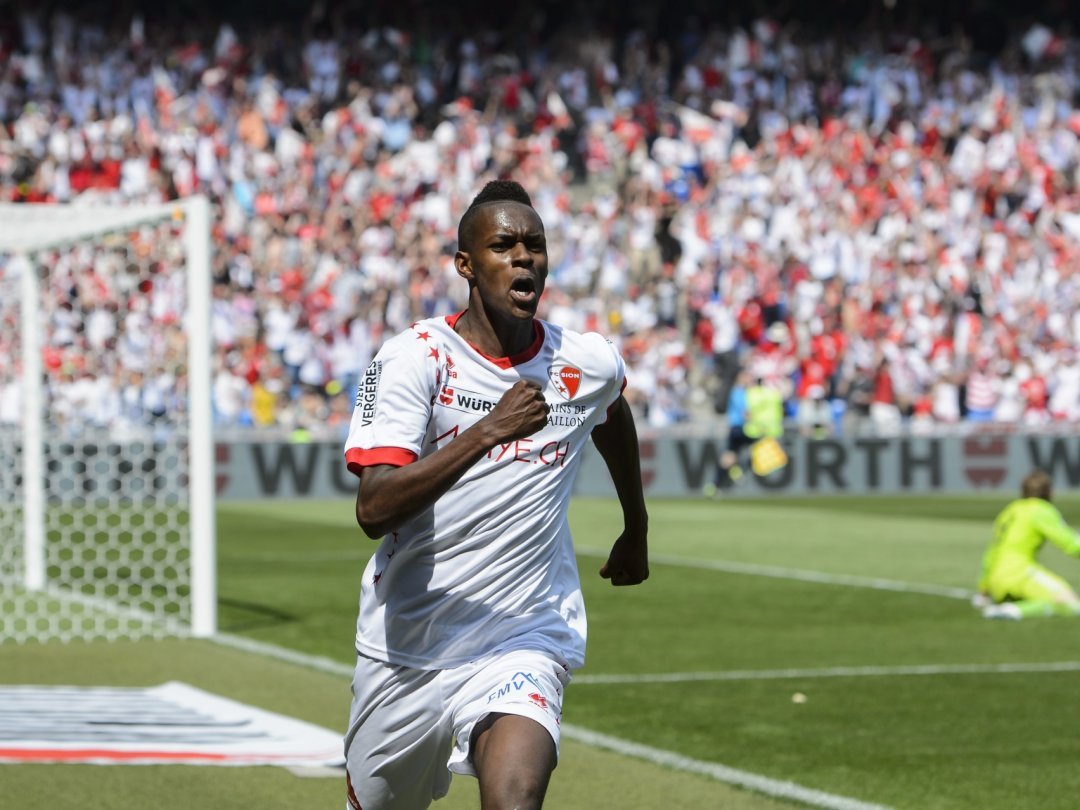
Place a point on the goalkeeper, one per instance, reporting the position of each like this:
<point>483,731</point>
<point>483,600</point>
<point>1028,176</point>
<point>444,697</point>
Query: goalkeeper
<point>1013,585</point>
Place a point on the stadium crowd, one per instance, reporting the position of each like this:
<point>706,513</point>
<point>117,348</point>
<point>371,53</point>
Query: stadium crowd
<point>884,226</point>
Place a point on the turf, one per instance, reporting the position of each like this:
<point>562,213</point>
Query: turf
<point>289,575</point>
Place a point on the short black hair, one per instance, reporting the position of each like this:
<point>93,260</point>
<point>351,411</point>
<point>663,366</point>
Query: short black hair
<point>493,192</point>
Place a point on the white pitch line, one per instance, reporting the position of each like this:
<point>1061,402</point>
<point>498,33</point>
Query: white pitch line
<point>777,572</point>
<point>829,672</point>
<point>721,773</point>
<point>299,557</point>
<point>726,566</point>
<point>283,654</point>
<point>332,667</point>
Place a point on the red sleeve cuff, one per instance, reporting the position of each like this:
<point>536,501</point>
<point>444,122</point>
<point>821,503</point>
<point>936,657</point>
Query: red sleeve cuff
<point>357,458</point>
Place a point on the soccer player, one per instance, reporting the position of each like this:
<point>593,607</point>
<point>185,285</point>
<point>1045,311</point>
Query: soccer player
<point>729,471</point>
<point>467,436</point>
<point>1013,585</point>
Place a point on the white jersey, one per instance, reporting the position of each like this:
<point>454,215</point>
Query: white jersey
<point>490,566</point>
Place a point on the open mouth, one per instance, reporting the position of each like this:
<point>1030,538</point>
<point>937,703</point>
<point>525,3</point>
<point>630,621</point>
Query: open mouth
<point>523,290</point>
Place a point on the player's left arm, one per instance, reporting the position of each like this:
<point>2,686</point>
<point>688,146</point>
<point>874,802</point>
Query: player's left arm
<point>1060,533</point>
<point>616,439</point>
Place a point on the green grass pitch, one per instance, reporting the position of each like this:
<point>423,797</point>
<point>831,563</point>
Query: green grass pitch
<point>903,696</point>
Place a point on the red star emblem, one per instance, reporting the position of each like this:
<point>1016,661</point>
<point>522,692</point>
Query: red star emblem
<point>434,353</point>
<point>423,335</point>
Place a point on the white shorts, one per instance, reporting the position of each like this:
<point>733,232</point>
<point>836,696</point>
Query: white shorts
<point>410,728</point>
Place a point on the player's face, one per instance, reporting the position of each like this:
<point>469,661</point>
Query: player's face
<point>507,262</point>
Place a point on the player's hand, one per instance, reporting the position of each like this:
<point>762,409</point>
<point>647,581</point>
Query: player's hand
<point>628,563</point>
<point>519,413</point>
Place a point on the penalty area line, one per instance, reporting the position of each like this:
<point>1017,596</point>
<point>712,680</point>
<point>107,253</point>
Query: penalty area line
<point>830,672</point>
<point>316,662</point>
<point>712,770</point>
<point>799,574</point>
<point>677,761</point>
<point>721,773</point>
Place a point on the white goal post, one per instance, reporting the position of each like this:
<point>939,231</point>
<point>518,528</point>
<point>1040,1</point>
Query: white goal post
<point>29,234</point>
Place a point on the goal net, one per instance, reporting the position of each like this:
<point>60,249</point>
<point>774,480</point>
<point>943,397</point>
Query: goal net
<point>106,467</point>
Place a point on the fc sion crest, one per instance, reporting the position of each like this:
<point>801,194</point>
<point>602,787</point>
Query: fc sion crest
<point>566,379</point>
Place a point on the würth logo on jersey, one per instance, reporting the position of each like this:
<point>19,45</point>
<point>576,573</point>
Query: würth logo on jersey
<point>566,379</point>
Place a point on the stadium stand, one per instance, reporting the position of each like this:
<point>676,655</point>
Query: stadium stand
<point>887,225</point>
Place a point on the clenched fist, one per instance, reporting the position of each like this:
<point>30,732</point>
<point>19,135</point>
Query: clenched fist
<point>519,413</point>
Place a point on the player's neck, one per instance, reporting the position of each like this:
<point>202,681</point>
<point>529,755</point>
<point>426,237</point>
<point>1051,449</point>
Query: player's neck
<point>495,338</point>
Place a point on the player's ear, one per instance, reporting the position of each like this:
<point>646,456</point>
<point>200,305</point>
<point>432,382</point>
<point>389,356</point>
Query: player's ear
<point>463,264</point>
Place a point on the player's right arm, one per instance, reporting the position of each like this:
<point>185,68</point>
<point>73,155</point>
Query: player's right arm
<point>390,494</point>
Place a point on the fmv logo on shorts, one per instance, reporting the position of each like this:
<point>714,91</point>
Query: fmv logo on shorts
<point>566,379</point>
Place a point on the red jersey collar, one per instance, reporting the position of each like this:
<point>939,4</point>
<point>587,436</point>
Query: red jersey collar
<point>506,362</point>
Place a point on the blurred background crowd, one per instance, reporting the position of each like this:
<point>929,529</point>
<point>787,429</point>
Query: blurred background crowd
<point>880,217</point>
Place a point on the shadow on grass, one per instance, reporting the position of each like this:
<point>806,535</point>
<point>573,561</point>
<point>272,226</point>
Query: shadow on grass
<point>238,616</point>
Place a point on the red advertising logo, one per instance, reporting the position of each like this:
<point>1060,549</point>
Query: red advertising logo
<point>222,457</point>
<point>985,460</point>
<point>647,450</point>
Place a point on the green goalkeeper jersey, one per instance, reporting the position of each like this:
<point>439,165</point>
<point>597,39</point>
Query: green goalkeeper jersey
<point>1020,531</point>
